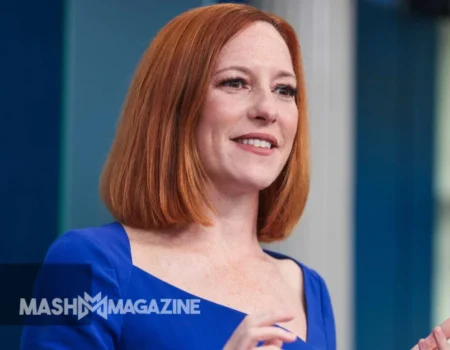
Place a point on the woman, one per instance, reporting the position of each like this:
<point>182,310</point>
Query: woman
<point>210,159</point>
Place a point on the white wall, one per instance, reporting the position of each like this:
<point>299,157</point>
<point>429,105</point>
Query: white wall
<point>324,237</point>
<point>441,241</point>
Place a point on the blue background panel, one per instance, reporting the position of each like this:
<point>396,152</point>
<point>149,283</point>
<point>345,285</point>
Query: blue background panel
<point>394,177</point>
<point>31,35</point>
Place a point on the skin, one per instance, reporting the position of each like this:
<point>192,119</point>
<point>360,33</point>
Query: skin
<point>259,103</point>
<point>217,255</point>
<point>228,253</point>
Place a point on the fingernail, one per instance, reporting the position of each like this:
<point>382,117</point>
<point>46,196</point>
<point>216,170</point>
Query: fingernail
<point>438,330</point>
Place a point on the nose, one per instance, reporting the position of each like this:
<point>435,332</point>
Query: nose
<point>263,106</point>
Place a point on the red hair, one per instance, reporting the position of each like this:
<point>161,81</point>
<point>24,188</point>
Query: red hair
<point>153,177</point>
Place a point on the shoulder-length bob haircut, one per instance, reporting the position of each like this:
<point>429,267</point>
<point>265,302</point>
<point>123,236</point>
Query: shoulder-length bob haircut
<point>153,177</point>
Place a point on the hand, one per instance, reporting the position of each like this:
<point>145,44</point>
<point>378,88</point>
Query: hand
<point>256,328</point>
<point>437,340</point>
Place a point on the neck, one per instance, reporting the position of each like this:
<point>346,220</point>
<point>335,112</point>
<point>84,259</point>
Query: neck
<point>234,226</point>
<point>233,234</point>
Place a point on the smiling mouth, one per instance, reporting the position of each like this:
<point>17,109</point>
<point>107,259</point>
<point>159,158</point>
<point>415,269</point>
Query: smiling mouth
<point>255,142</point>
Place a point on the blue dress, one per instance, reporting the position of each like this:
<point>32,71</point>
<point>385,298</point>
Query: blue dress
<point>107,251</point>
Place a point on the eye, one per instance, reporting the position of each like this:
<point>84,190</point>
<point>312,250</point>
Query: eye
<point>287,90</point>
<point>234,83</point>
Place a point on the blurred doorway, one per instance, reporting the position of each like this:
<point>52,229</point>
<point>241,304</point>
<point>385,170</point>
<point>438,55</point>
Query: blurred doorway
<point>441,238</point>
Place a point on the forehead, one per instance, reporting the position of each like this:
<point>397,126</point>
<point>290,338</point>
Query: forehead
<point>258,44</point>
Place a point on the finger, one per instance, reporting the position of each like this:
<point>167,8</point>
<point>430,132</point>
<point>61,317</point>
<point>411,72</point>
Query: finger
<point>275,342</point>
<point>268,347</point>
<point>255,335</point>
<point>267,319</point>
<point>423,345</point>
<point>441,341</point>
<point>445,327</point>
<point>430,341</point>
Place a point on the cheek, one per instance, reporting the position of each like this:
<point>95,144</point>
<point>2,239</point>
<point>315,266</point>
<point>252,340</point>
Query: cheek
<point>211,128</point>
<point>217,118</point>
<point>205,125</point>
<point>290,126</point>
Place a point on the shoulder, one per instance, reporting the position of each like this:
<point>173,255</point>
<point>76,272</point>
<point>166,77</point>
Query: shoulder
<point>79,264</point>
<point>100,243</point>
<point>104,248</point>
<point>295,270</point>
<point>315,287</point>
<point>290,270</point>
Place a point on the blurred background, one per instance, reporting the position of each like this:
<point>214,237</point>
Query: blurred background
<point>377,223</point>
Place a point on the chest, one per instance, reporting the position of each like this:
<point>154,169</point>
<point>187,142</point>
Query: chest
<point>250,288</point>
<point>210,328</point>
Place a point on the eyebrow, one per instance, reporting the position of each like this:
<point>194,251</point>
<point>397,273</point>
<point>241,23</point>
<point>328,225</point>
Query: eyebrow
<point>280,74</point>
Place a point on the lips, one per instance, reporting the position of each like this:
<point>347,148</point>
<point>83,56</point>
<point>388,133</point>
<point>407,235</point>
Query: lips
<point>259,136</point>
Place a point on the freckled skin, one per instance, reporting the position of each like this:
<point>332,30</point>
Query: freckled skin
<point>259,103</point>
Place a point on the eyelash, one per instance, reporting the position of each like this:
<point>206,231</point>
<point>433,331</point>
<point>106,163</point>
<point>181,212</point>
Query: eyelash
<point>292,92</point>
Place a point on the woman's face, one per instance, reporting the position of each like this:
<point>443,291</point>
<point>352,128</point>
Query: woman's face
<point>249,119</point>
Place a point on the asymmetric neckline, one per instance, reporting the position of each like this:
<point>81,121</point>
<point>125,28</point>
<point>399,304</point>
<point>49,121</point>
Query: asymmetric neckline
<point>276,255</point>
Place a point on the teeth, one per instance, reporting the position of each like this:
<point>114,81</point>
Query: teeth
<point>256,143</point>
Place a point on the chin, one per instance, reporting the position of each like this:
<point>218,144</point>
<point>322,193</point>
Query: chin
<point>244,180</point>
<point>258,183</point>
